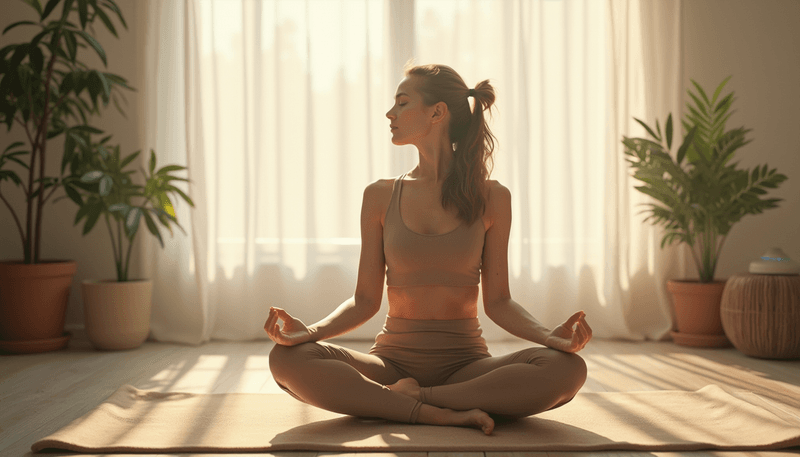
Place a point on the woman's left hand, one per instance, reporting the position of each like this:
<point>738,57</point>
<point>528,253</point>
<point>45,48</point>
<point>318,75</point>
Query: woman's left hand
<point>572,335</point>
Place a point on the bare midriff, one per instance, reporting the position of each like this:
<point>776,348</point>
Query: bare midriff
<point>433,302</point>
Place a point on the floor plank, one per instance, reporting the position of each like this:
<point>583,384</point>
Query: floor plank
<point>40,393</point>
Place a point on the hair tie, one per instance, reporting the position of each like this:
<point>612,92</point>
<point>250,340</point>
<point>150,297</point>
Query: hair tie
<point>471,93</point>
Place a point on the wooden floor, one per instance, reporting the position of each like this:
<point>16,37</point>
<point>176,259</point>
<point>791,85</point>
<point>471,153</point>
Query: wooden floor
<point>41,393</point>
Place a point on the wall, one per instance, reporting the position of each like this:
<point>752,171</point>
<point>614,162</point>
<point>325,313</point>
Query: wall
<point>756,41</point>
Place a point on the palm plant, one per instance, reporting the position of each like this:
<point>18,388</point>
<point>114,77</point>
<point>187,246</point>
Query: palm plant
<point>700,194</point>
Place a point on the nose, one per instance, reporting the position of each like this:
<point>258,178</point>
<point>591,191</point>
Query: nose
<point>390,115</point>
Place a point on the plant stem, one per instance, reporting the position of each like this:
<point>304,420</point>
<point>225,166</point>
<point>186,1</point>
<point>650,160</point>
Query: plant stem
<point>16,219</point>
<point>113,243</point>
<point>121,255</point>
<point>43,145</point>
<point>128,260</point>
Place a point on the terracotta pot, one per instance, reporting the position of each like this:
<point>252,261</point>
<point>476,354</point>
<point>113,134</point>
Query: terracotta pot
<point>117,314</point>
<point>697,312</point>
<point>33,304</point>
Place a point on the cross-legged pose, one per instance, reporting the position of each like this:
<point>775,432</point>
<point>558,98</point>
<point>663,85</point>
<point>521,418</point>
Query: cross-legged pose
<point>434,234</point>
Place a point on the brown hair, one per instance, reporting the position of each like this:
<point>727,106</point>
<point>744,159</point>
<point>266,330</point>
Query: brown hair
<point>465,184</point>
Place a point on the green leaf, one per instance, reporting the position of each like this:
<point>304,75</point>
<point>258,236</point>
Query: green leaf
<point>92,42</point>
<point>106,184</point>
<point>13,145</point>
<point>92,216</point>
<point>129,159</point>
<point>687,141</point>
<point>8,174</point>
<point>36,59</point>
<point>106,21</point>
<point>83,13</point>
<point>92,176</point>
<point>113,7</point>
<point>48,9</point>
<point>669,132</point>
<point>69,150</point>
<point>152,161</point>
<point>153,228</point>
<point>74,195</point>
<point>702,92</point>
<point>169,168</point>
<point>35,4</point>
<point>105,85</point>
<point>65,11</point>
<point>166,204</point>
<point>17,24</point>
<point>649,130</point>
<point>119,207</point>
<point>72,45</point>
<point>699,105</point>
<point>132,221</point>
<point>719,89</point>
<point>724,104</point>
<point>182,194</point>
<point>86,128</point>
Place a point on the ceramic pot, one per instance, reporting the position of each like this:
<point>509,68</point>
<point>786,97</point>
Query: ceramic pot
<point>33,305</point>
<point>697,312</point>
<point>117,314</point>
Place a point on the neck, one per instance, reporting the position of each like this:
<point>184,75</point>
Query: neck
<point>434,161</point>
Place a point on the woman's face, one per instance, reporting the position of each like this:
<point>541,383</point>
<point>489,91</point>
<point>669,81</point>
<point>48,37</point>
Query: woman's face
<point>410,119</point>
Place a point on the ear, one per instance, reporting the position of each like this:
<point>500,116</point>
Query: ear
<point>439,112</point>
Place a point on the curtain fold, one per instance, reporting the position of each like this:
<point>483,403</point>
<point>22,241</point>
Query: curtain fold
<point>282,126</point>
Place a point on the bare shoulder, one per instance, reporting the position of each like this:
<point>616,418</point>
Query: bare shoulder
<point>377,196</point>
<point>498,202</point>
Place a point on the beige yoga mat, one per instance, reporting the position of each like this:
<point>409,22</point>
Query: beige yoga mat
<point>133,420</point>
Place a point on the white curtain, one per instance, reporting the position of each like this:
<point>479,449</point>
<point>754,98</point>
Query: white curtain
<point>277,108</point>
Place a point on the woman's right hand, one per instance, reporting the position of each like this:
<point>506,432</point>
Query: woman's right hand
<point>294,331</point>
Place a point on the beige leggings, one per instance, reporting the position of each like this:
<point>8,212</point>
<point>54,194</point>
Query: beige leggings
<point>448,358</point>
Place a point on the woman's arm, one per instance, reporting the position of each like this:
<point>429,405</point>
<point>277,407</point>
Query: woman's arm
<point>366,301</point>
<point>497,301</point>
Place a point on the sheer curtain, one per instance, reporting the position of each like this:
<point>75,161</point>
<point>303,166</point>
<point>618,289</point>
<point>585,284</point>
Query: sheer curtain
<point>277,109</point>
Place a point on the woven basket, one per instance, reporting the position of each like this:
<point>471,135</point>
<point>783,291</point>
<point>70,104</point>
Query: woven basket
<point>761,314</point>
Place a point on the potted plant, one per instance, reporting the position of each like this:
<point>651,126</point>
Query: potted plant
<point>117,311</point>
<point>699,195</point>
<point>42,85</point>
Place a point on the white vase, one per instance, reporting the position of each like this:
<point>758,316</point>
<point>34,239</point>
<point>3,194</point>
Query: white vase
<point>117,314</point>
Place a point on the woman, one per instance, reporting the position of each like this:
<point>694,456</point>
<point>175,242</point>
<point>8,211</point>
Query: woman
<point>447,233</point>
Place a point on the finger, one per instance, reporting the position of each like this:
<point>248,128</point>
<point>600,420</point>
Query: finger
<point>270,321</point>
<point>583,333</point>
<point>273,317</point>
<point>279,337</point>
<point>586,324</point>
<point>572,320</point>
<point>271,329</point>
<point>283,315</point>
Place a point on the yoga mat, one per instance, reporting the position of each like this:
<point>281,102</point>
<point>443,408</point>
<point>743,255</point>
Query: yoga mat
<point>133,420</point>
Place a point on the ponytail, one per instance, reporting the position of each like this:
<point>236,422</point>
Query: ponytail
<point>464,186</point>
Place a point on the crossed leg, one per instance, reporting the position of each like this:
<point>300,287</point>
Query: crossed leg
<point>346,381</point>
<point>516,385</point>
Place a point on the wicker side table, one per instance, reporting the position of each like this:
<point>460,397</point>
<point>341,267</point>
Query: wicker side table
<point>761,314</point>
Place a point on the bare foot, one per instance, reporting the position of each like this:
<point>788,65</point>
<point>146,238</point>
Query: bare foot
<point>406,386</point>
<point>473,418</point>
